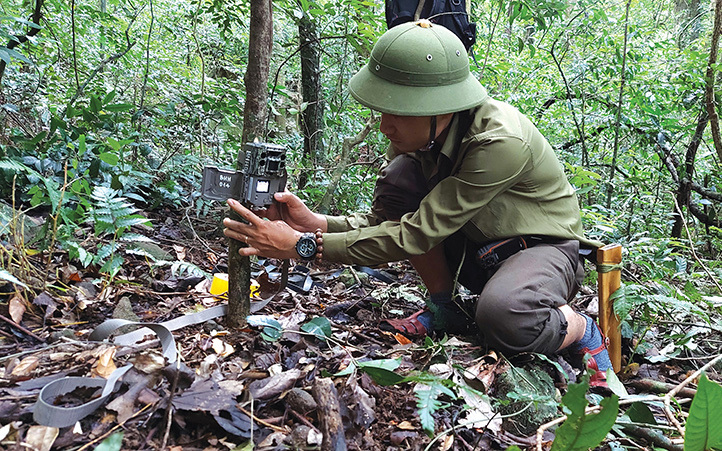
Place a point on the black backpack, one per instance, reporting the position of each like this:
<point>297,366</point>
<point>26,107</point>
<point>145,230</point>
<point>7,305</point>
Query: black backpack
<point>451,14</point>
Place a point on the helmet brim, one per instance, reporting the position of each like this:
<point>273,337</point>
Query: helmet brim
<point>402,100</point>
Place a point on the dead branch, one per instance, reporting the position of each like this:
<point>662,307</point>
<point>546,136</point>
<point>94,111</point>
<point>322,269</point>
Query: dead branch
<point>348,144</point>
<point>668,397</point>
<point>329,415</point>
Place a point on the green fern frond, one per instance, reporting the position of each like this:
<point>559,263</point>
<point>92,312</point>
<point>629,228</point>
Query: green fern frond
<point>180,268</point>
<point>427,402</point>
<point>136,238</point>
<point>13,166</point>
<point>105,251</point>
<point>129,221</point>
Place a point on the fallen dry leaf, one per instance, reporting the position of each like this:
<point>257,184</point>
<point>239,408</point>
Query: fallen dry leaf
<point>26,366</point>
<point>4,432</point>
<point>406,426</point>
<point>105,365</point>
<point>222,348</point>
<point>16,308</point>
<point>180,252</point>
<point>274,385</point>
<point>448,442</point>
<point>402,340</point>
<point>41,438</point>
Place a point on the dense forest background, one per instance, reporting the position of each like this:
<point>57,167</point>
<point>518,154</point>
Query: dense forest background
<point>123,100</point>
<point>119,99</point>
<point>109,110</point>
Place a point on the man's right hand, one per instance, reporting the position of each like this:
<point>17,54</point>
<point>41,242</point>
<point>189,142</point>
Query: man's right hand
<point>291,209</point>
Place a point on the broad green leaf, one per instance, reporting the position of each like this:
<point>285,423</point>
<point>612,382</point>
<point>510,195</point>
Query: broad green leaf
<point>95,104</point>
<point>580,431</point>
<point>113,143</point>
<point>81,145</point>
<point>136,237</point>
<point>640,413</point>
<point>263,320</point>
<point>703,431</point>
<point>7,55</point>
<point>117,107</point>
<point>179,268</point>
<point>381,371</point>
<point>110,158</point>
<point>615,385</point>
<point>112,443</point>
<point>319,326</point>
<point>383,376</point>
<point>113,265</point>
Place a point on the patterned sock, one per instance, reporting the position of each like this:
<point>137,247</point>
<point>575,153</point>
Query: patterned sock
<point>591,340</point>
<point>445,314</point>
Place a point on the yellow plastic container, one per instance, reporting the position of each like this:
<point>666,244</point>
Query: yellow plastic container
<point>219,285</point>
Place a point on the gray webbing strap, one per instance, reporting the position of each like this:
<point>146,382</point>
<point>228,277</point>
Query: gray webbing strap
<point>47,414</point>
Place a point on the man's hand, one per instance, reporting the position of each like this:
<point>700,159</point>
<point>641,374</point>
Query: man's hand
<point>274,239</point>
<point>289,208</point>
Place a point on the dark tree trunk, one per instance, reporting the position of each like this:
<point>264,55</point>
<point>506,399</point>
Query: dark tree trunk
<point>686,174</point>
<point>17,40</point>
<point>312,115</point>
<point>254,120</point>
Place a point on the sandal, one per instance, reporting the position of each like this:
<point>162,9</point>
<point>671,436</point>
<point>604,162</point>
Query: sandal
<point>411,326</point>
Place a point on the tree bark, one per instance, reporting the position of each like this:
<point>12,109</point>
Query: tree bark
<point>254,119</point>
<point>710,77</point>
<point>686,172</point>
<point>312,115</point>
<point>617,125</point>
<point>329,415</point>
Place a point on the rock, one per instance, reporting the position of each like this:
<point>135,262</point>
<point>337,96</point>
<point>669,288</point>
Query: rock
<point>124,310</point>
<point>300,400</point>
<point>60,334</point>
<point>531,394</point>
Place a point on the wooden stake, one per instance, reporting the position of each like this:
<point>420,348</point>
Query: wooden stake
<point>608,282</point>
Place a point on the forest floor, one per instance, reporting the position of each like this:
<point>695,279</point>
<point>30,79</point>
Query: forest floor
<point>278,370</point>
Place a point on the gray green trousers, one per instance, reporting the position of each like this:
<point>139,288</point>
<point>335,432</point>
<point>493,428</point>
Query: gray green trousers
<point>517,304</point>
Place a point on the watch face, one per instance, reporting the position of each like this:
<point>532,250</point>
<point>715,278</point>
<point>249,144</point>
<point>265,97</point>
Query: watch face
<point>306,247</point>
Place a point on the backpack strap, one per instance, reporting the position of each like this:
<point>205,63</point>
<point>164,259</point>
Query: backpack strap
<point>419,8</point>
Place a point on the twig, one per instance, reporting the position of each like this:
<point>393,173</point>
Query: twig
<point>562,419</point>
<point>302,419</point>
<point>21,328</point>
<point>263,422</point>
<point>668,397</point>
<point>203,242</point>
<point>117,426</point>
<point>587,411</point>
<point>359,334</point>
<point>691,246</point>
<point>169,407</point>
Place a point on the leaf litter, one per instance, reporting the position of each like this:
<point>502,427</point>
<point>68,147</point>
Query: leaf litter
<point>256,382</point>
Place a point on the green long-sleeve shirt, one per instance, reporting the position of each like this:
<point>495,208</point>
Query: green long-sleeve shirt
<point>505,181</point>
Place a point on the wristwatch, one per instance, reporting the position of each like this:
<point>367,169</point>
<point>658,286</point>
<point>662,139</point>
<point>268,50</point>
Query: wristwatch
<point>306,246</point>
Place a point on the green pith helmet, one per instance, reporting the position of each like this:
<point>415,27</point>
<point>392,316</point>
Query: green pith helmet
<point>418,69</point>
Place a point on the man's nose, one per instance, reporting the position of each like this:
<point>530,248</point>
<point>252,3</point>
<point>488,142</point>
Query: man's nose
<point>387,123</point>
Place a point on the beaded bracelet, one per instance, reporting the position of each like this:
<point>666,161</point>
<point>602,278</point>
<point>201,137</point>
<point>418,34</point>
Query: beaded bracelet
<point>319,244</point>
